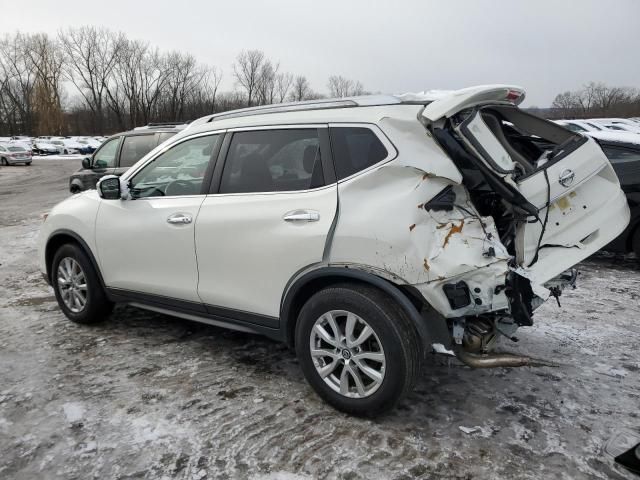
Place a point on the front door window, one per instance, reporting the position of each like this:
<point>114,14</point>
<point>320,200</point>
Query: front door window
<point>178,171</point>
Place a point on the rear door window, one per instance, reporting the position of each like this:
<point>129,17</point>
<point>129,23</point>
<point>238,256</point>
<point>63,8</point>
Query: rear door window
<point>355,149</point>
<point>135,147</point>
<point>273,161</point>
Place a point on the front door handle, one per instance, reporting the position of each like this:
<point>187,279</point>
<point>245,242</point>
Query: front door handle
<point>179,219</point>
<point>301,216</point>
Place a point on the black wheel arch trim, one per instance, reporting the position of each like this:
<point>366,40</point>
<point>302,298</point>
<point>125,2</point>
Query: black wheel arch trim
<point>70,233</point>
<point>430,325</point>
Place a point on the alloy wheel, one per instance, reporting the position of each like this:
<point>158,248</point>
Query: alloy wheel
<point>72,284</point>
<point>347,354</point>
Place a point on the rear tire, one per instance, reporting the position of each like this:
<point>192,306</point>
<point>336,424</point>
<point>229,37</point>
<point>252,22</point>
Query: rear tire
<point>77,286</point>
<point>4,162</point>
<point>380,371</point>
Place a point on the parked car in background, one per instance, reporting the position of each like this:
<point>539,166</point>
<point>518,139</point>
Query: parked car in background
<point>625,158</point>
<point>67,146</point>
<point>618,124</point>
<point>89,144</point>
<point>41,147</point>
<point>364,232</point>
<point>621,127</point>
<point>580,125</point>
<point>615,136</point>
<point>116,154</point>
<point>11,154</point>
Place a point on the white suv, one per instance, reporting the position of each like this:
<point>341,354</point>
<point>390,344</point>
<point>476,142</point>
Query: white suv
<point>365,232</point>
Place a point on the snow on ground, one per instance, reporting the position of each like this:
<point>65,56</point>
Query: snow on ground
<point>149,396</point>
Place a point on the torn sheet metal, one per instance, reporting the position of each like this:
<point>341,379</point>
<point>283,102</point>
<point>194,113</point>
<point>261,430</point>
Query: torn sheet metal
<point>392,232</point>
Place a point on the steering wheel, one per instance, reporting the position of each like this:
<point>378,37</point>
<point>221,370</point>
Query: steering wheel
<point>179,187</point>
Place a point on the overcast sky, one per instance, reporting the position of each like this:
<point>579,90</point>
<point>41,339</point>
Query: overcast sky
<point>546,46</point>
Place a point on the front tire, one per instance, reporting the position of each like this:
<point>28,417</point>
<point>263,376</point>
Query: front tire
<point>77,287</point>
<point>357,349</point>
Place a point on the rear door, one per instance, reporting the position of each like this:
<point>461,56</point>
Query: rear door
<point>270,210</point>
<point>549,166</point>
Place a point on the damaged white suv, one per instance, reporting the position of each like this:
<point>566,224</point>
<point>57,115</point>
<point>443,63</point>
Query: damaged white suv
<point>365,232</point>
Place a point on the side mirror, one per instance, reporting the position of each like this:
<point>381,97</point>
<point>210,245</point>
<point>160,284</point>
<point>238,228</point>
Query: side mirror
<point>109,187</point>
<point>86,163</point>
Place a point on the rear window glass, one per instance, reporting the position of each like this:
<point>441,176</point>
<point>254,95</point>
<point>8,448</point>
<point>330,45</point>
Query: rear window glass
<point>16,149</point>
<point>136,147</point>
<point>355,149</point>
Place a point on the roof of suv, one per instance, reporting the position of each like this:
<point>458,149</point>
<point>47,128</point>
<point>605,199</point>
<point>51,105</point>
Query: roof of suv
<point>321,104</point>
<point>353,110</point>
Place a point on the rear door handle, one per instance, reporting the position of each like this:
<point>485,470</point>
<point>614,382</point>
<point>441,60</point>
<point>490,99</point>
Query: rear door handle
<point>301,216</point>
<point>179,219</point>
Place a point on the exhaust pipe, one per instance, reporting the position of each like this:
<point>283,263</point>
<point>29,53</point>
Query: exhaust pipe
<point>493,360</point>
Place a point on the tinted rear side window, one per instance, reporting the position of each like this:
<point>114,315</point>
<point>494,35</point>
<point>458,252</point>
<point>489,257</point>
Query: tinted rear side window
<point>273,161</point>
<point>355,149</point>
<point>136,147</point>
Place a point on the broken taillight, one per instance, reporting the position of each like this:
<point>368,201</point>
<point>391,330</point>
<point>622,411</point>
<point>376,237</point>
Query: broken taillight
<point>513,95</point>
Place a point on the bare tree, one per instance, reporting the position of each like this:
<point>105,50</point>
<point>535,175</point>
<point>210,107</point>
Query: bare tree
<point>18,84</point>
<point>183,76</point>
<point>597,99</point>
<point>91,56</point>
<point>247,71</point>
<point>301,89</point>
<point>267,81</point>
<point>283,85</point>
<point>340,87</point>
<point>46,59</point>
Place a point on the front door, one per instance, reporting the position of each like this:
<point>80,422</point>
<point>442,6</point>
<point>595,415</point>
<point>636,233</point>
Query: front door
<point>146,243</point>
<point>268,219</point>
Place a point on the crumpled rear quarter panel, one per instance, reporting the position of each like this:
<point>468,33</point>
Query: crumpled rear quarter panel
<point>384,228</point>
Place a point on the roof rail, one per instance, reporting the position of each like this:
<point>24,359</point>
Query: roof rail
<point>325,103</point>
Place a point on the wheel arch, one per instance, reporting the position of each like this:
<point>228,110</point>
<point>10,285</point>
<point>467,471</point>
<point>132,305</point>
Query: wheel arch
<point>407,297</point>
<point>62,237</point>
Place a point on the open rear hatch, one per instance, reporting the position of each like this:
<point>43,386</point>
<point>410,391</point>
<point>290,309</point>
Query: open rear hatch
<point>557,186</point>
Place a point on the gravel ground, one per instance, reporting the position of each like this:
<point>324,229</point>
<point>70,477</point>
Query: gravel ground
<point>149,396</point>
